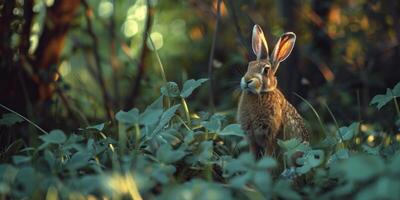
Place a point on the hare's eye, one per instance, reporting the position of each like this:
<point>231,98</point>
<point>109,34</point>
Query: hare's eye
<point>264,70</point>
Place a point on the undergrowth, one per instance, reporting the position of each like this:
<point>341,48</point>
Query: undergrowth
<point>168,151</point>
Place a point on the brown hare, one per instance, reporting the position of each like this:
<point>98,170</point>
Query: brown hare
<point>263,111</point>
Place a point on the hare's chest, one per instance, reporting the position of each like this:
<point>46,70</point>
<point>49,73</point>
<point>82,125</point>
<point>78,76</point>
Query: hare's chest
<point>266,120</point>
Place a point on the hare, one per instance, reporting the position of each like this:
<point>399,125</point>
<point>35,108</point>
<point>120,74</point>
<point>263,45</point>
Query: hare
<point>263,112</point>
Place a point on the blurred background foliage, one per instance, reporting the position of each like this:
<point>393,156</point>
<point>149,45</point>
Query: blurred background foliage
<point>68,64</point>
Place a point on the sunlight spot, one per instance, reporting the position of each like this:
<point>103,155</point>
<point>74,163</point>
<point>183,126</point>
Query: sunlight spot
<point>49,2</point>
<point>34,40</point>
<point>131,27</point>
<point>370,138</point>
<point>36,27</point>
<point>120,184</point>
<point>398,137</point>
<point>65,68</point>
<point>52,193</point>
<point>105,9</point>
<point>157,40</point>
<point>358,140</point>
<point>140,13</point>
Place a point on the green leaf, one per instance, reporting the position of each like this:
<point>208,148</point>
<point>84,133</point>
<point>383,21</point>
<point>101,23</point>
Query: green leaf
<point>171,89</point>
<point>191,85</point>
<point>165,118</point>
<point>309,160</point>
<point>54,137</point>
<point>341,154</point>
<point>78,160</point>
<point>152,113</point>
<point>395,163</point>
<point>289,144</point>
<point>266,162</point>
<point>382,99</point>
<point>396,90</point>
<point>162,173</point>
<point>361,167</point>
<point>21,159</point>
<point>50,158</point>
<point>347,133</point>
<point>214,124</point>
<point>282,189</point>
<point>9,119</point>
<point>98,127</point>
<point>241,180</point>
<point>371,150</point>
<point>232,129</point>
<point>167,155</point>
<point>130,117</point>
<point>263,181</point>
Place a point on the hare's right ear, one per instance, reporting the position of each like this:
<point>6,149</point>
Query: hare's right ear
<point>282,49</point>
<point>258,42</point>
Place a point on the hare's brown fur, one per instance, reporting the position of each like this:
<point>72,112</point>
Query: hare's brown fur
<point>268,117</point>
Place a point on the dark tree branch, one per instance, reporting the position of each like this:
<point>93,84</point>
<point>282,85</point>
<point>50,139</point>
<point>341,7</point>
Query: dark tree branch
<point>211,58</point>
<point>26,29</point>
<point>106,98</point>
<point>235,21</point>
<point>130,101</point>
<point>113,56</point>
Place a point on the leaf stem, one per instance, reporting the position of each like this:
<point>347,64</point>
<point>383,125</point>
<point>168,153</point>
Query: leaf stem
<point>26,119</point>
<point>186,109</point>
<point>315,112</point>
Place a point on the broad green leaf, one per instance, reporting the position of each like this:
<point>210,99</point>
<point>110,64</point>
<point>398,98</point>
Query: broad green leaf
<point>54,137</point>
<point>191,85</point>
<point>152,113</point>
<point>167,155</point>
<point>9,119</point>
<point>171,89</point>
<point>383,188</point>
<point>195,189</point>
<point>341,154</point>
<point>162,173</point>
<point>371,150</point>
<point>309,160</point>
<point>50,158</point>
<point>283,189</point>
<point>382,99</point>
<point>289,144</point>
<point>165,118</point>
<point>130,117</point>
<point>266,162</point>
<point>232,129</point>
<point>27,179</point>
<point>361,167</point>
<point>262,179</point>
<point>78,160</point>
<point>396,90</point>
<point>395,163</point>
<point>347,133</point>
<point>214,124</point>
<point>241,180</point>
<point>20,159</point>
<point>98,127</point>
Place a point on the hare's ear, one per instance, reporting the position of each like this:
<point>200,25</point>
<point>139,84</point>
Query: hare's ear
<point>282,49</point>
<point>258,42</point>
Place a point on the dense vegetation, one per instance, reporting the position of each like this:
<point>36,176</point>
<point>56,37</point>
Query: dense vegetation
<point>135,100</point>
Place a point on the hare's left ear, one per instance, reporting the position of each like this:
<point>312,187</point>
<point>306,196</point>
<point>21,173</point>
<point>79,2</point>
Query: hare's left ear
<point>282,49</point>
<point>258,42</point>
